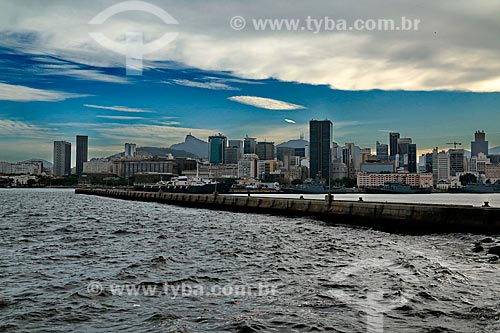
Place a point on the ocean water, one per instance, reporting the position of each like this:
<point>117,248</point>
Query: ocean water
<point>76,263</point>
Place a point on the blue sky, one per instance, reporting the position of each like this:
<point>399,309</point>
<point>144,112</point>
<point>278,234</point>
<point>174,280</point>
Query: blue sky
<point>436,85</point>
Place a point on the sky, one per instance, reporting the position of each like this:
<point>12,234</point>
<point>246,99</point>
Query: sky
<point>437,84</point>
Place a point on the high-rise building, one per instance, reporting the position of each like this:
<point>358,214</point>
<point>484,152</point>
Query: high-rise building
<point>382,151</point>
<point>456,161</point>
<point>428,162</point>
<point>321,138</point>
<point>440,165</point>
<point>412,158</point>
<point>349,159</point>
<point>231,155</point>
<point>82,151</point>
<point>281,151</point>
<point>216,148</point>
<point>393,143</point>
<point>237,144</point>
<point>265,150</point>
<point>130,149</point>
<point>403,145</point>
<point>249,145</point>
<point>479,145</point>
<point>62,158</point>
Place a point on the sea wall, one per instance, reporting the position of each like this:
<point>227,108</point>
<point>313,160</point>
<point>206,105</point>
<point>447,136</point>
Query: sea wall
<point>392,217</point>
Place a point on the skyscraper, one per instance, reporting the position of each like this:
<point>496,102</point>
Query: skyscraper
<point>393,143</point>
<point>382,151</point>
<point>82,150</point>
<point>412,157</point>
<point>130,149</point>
<point>440,165</point>
<point>321,138</point>
<point>456,161</point>
<point>479,145</point>
<point>249,145</point>
<point>216,148</point>
<point>237,144</point>
<point>265,150</point>
<point>62,158</point>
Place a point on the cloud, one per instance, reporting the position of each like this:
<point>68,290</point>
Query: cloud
<point>89,75</point>
<point>156,135</point>
<point>118,108</point>
<point>265,103</point>
<point>17,93</point>
<point>16,127</point>
<point>205,85</point>
<point>433,58</point>
<point>290,121</point>
<point>119,117</point>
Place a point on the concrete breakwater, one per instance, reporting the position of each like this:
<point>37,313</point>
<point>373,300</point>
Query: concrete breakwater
<point>392,217</point>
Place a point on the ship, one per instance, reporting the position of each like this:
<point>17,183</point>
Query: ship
<point>183,184</point>
<point>312,188</point>
<point>477,188</point>
<point>397,188</point>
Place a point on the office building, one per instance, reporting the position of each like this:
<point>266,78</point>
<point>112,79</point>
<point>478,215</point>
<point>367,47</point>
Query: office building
<point>231,155</point>
<point>479,145</point>
<point>98,165</point>
<point>265,168</point>
<point>281,151</point>
<point>478,163</point>
<point>127,168</point>
<point>62,158</point>
<point>265,150</point>
<point>349,159</point>
<point>412,157</point>
<point>249,145</point>
<point>237,144</point>
<point>247,166</point>
<point>393,143</point>
<point>216,148</point>
<point>82,151</point>
<point>130,149</point>
<point>321,138</point>
<point>456,161</point>
<point>440,165</point>
<point>382,151</point>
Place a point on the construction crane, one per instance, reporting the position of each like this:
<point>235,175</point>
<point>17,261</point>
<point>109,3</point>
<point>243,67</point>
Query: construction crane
<point>455,144</point>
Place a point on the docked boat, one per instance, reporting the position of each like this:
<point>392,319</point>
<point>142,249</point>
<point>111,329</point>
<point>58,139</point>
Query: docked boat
<point>312,188</point>
<point>477,188</point>
<point>397,188</point>
<point>183,184</point>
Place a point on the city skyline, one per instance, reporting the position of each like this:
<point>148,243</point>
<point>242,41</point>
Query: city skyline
<point>74,87</point>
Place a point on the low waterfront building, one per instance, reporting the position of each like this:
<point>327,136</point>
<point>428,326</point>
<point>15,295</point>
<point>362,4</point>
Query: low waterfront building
<point>422,180</point>
<point>98,165</point>
<point>377,167</point>
<point>492,172</point>
<point>128,168</point>
<point>223,171</point>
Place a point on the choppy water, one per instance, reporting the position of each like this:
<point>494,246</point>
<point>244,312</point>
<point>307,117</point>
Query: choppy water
<point>53,243</point>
